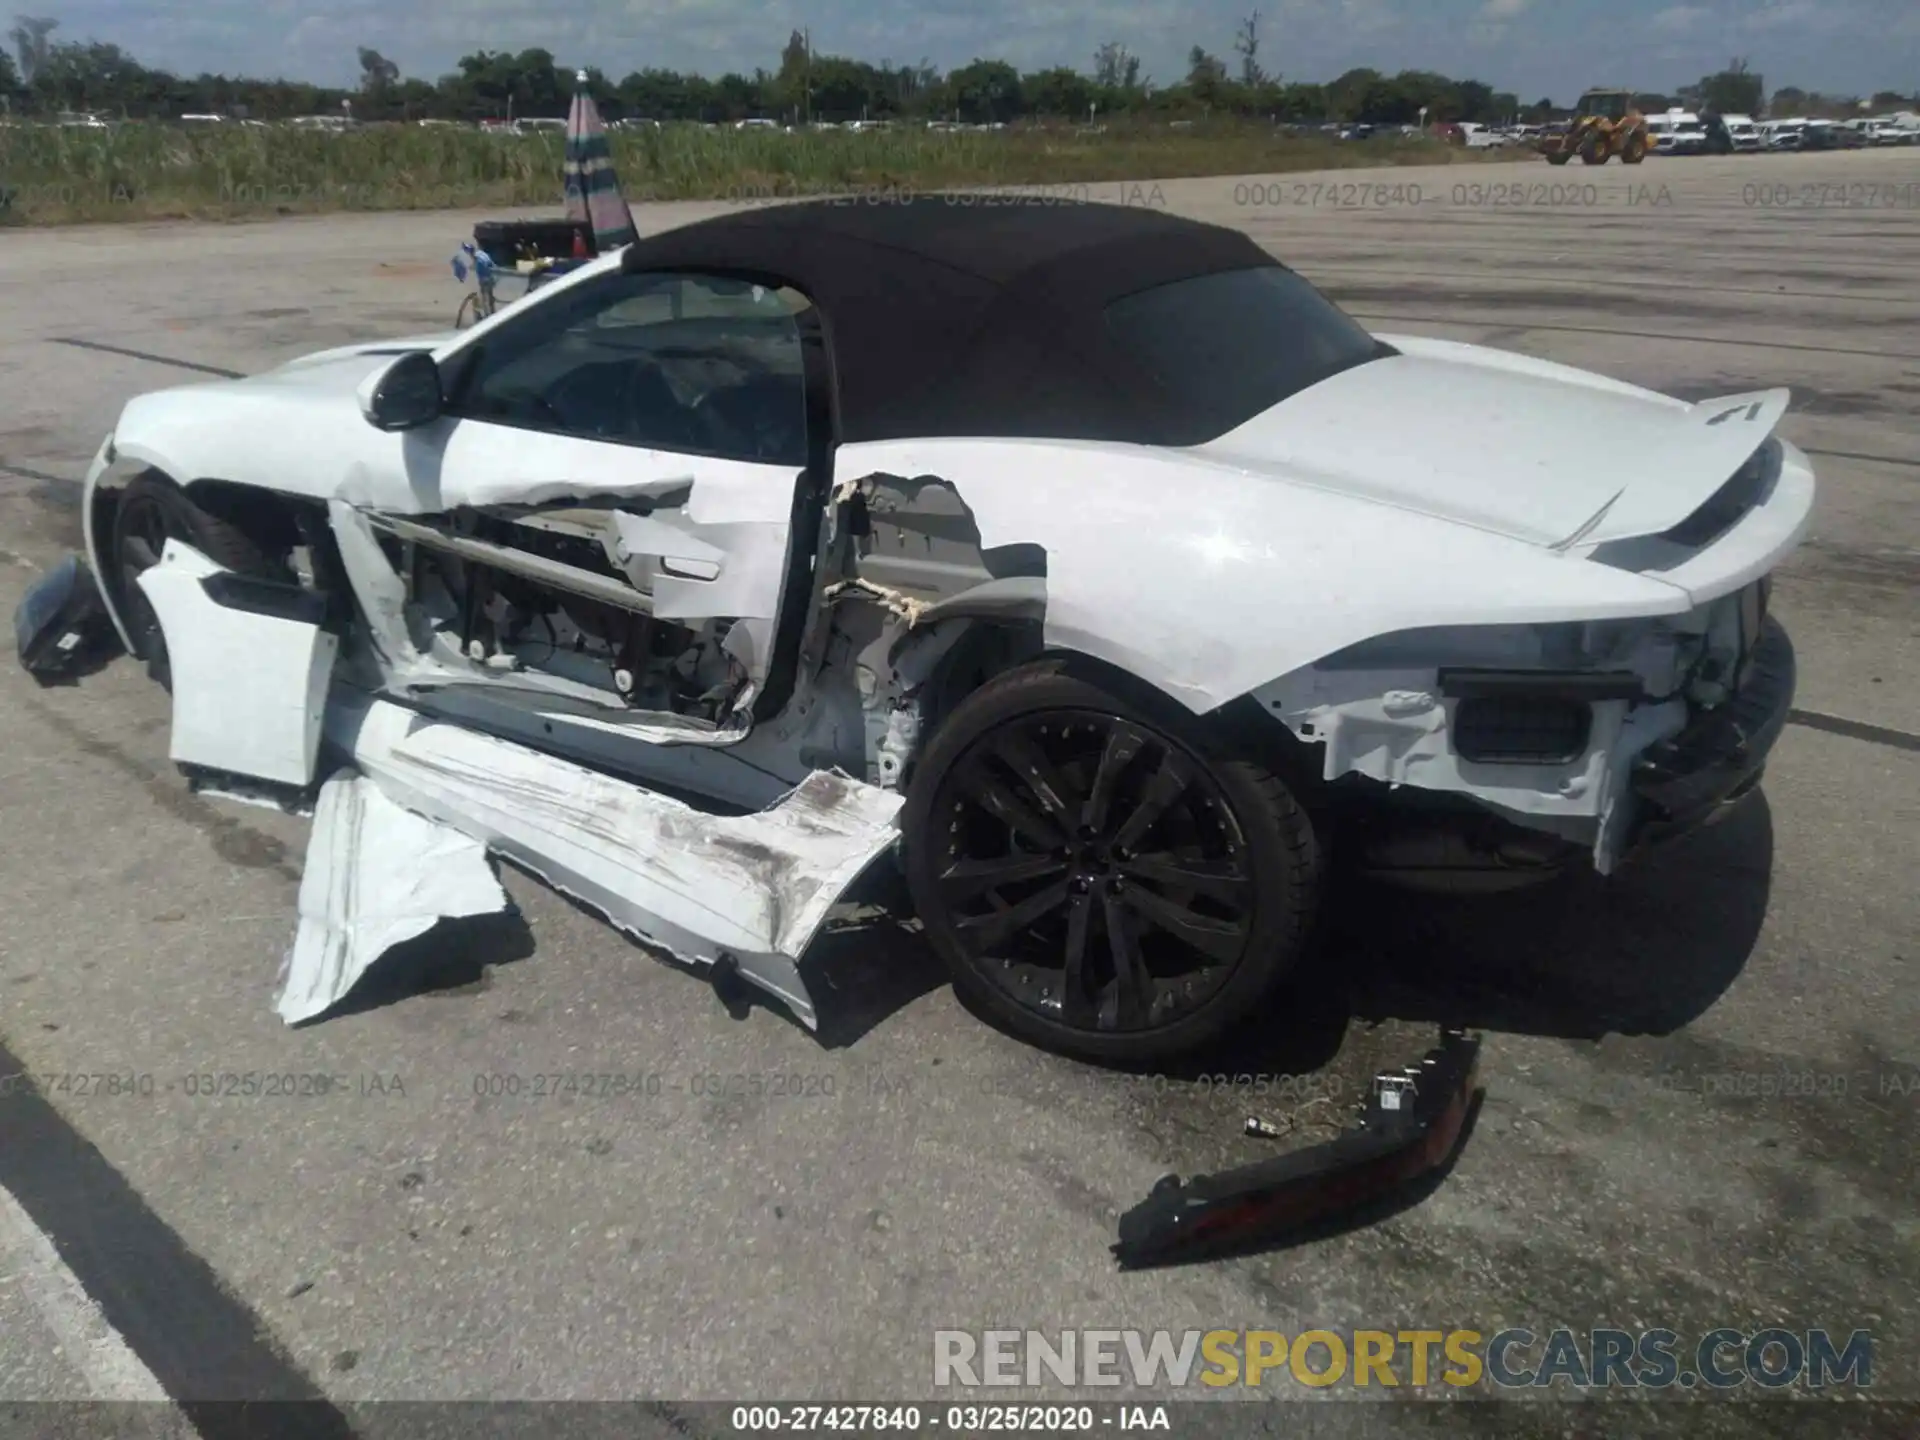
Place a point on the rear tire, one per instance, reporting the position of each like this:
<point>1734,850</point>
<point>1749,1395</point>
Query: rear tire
<point>151,511</point>
<point>1165,885</point>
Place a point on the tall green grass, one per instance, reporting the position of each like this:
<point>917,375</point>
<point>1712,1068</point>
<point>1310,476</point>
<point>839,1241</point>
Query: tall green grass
<point>51,175</point>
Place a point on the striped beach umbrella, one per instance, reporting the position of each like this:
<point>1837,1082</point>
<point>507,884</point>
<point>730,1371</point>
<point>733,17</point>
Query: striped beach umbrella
<point>593,190</point>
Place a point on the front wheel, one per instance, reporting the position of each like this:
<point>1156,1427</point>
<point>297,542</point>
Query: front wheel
<point>151,511</point>
<point>1099,874</point>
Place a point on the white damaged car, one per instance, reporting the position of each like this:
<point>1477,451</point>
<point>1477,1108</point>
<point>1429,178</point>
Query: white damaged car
<point>1087,555</point>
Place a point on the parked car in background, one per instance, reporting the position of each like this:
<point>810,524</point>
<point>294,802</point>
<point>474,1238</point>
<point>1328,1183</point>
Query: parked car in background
<point>1882,130</point>
<point>1783,134</point>
<point>1476,136</point>
<point>1743,132</point>
<point>1830,135</point>
<point>79,120</point>
<point>1861,126</point>
<point>1677,132</point>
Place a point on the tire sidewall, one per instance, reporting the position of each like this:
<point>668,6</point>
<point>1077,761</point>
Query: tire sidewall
<point>1275,862</point>
<point>219,540</point>
<point>151,645</point>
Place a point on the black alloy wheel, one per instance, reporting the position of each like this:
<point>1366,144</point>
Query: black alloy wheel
<point>1099,881</point>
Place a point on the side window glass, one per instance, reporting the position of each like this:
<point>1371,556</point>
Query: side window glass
<point>702,364</point>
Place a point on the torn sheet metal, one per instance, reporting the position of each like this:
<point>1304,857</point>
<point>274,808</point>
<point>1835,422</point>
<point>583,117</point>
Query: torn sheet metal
<point>751,889</point>
<point>376,875</point>
<point>1411,1124</point>
<point>250,667</point>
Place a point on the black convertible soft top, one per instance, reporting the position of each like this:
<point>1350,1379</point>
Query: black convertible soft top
<point>956,315</point>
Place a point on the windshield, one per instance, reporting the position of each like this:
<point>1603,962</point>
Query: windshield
<point>1227,346</point>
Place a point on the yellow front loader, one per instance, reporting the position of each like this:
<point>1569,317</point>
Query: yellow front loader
<point>1605,123</point>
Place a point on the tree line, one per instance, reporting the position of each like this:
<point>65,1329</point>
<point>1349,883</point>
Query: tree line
<point>44,76</point>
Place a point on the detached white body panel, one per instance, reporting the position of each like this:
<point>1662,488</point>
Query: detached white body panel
<point>249,689</point>
<point>698,886</point>
<point>376,875</point>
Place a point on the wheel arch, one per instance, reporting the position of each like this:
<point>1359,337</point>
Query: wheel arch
<point>991,647</point>
<point>116,468</point>
<point>266,516</point>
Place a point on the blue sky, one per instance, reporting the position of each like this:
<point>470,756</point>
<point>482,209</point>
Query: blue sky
<point>1533,47</point>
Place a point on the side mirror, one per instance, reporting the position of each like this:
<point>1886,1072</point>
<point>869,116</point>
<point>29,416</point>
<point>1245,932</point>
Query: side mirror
<point>404,395</point>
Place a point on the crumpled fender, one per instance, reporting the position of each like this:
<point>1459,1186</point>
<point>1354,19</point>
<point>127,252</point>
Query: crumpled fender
<point>1208,581</point>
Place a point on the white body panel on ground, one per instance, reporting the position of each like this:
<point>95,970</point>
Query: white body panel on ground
<point>701,887</point>
<point>376,875</point>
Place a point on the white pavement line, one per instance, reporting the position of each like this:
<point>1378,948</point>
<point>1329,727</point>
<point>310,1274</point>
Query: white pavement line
<point>87,1341</point>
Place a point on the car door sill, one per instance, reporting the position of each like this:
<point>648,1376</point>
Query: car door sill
<point>746,893</point>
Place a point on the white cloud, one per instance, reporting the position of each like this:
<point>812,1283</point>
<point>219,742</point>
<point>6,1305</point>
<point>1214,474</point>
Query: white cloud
<point>1368,16</point>
<point>1679,18</point>
<point>1791,14</point>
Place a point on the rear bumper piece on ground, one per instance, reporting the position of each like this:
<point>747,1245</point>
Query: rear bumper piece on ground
<point>1695,777</point>
<point>746,893</point>
<point>1409,1129</point>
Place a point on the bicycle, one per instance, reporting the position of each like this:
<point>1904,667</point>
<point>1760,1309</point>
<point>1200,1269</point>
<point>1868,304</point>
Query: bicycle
<point>482,301</point>
<point>538,270</point>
